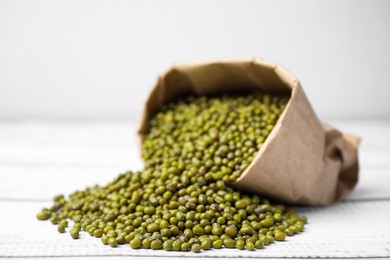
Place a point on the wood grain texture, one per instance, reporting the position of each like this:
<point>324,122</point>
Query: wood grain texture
<point>41,159</point>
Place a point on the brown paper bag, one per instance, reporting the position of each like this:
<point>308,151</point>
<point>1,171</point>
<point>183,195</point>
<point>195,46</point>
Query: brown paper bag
<point>301,161</point>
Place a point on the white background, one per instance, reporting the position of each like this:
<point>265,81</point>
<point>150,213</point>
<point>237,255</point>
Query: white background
<point>98,59</point>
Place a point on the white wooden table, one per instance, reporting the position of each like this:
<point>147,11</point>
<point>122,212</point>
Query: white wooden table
<point>41,159</point>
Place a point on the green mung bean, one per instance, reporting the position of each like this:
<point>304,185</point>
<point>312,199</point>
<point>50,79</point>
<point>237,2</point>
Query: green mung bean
<point>74,233</point>
<point>182,200</point>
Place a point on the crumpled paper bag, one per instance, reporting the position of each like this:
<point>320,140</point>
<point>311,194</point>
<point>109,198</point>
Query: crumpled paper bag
<point>302,161</point>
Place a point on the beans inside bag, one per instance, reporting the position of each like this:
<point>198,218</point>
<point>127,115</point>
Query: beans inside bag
<point>302,161</point>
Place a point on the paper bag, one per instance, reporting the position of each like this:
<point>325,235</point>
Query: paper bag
<point>301,161</point>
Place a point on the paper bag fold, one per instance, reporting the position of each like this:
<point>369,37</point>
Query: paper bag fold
<point>301,161</point>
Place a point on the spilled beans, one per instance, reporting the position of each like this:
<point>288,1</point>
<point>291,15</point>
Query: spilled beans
<point>182,200</point>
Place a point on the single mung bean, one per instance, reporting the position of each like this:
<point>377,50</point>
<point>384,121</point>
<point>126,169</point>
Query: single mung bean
<point>61,228</point>
<point>206,244</point>
<point>231,231</point>
<point>167,245</point>
<point>196,248</point>
<point>176,245</point>
<point>74,232</point>
<point>104,240</point>
<point>98,232</point>
<point>112,242</point>
<point>217,244</point>
<point>185,246</point>
<point>135,243</point>
<point>279,236</point>
<point>240,244</point>
<point>146,243</point>
<point>43,215</point>
<point>250,246</point>
<point>258,244</point>
<point>156,244</point>
<point>229,243</point>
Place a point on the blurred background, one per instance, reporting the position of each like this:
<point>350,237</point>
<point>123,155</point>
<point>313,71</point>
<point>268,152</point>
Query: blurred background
<point>82,60</point>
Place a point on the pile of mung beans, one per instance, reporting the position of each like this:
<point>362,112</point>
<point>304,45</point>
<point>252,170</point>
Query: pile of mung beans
<point>181,200</point>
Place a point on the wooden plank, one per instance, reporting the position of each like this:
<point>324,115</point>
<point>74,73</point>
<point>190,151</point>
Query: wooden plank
<point>328,234</point>
<point>39,160</point>
<point>47,158</point>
